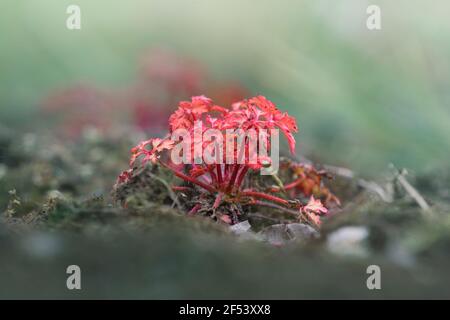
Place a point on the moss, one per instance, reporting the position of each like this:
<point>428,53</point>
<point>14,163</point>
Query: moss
<point>150,248</point>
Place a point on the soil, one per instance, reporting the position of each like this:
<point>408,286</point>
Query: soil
<point>59,208</point>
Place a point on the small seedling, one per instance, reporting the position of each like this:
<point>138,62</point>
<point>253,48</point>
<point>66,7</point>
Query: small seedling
<point>221,188</point>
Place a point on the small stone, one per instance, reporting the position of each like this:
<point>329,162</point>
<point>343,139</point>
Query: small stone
<point>348,241</point>
<point>241,227</point>
<point>242,230</point>
<point>55,195</point>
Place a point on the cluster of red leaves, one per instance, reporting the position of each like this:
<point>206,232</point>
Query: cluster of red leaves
<point>223,179</point>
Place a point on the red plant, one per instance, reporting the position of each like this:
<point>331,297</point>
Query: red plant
<point>224,181</point>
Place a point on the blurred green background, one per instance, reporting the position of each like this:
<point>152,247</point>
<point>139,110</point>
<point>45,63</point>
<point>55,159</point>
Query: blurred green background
<point>362,98</point>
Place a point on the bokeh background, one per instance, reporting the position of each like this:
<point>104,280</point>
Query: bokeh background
<point>73,103</point>
<point>363,98</point>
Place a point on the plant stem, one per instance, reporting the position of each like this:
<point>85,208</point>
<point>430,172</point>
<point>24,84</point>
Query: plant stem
<point>218,201</point>
<point>180,188</point>
<point>190,179</point>
<point>288,186</point>
<point>219,173</point>
<point>233,177</point>
<point>265,196</point>
<point>241,176</point>
<point>213,177</point>
<point>194,210</point>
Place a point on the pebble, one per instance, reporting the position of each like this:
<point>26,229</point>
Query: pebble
<point>348,241</point>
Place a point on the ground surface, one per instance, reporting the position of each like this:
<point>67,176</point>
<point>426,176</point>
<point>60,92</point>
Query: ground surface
<point>57,211</point>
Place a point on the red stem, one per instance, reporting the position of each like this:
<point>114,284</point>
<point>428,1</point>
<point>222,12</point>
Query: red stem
<point>233,177</point>
<point>218,201</point>
<point>265,196</point>
<point>190,179</point>
<point>195,209</point>
<point>213,176</point>
<point>226,171</point>
<point>180,188</point>
<point>241,176</point>
<point>219,173</point>
<point>288,186</point>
